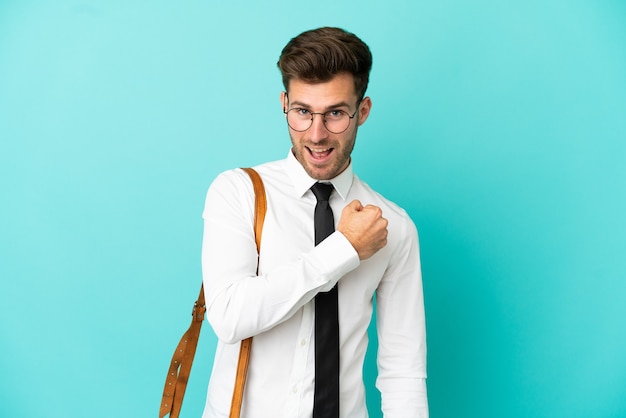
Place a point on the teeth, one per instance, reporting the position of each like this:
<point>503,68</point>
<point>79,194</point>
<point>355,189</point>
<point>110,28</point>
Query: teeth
<point>319,150</point>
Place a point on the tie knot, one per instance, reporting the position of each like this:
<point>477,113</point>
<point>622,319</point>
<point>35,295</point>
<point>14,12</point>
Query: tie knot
<point>322,191</point>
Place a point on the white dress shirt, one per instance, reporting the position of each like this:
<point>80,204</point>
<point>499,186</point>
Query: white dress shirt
<point>276,306</point>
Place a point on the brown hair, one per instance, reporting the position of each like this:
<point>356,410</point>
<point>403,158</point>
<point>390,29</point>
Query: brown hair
<point>318,55</point>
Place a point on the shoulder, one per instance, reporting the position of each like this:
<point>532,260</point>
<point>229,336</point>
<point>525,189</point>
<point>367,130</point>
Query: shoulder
<point>237,180</point>
<point>229,184</point>
<point>402,229</point>
<point>234,189</point>
<point>368,195</point>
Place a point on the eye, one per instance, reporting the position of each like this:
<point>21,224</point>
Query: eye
<point>335,114</point>
<point>302,112</point>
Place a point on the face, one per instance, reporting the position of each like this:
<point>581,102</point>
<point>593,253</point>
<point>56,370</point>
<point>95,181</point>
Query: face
<point>323,154</point>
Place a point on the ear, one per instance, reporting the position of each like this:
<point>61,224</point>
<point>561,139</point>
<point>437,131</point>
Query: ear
<point>283,100</point>
<point>364,109</point>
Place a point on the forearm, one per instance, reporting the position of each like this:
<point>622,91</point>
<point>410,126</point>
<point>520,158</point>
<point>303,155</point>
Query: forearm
<point>241,304</point>
<point>402,334</point>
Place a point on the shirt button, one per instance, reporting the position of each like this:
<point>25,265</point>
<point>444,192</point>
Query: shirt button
<point>295,389</point>
<point>303,342</point>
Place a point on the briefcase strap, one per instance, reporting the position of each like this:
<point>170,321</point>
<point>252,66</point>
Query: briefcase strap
<point>246,345</point>
<point>182,360</point>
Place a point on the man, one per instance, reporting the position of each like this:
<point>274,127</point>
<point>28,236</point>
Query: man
<point>373,252</point>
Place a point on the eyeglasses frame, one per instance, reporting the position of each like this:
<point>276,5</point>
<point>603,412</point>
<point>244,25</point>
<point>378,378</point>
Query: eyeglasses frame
<point>323,114</point>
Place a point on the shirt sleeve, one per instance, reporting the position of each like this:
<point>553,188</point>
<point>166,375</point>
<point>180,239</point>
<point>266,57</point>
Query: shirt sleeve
<point>241,303</point>
<point>402,332</point>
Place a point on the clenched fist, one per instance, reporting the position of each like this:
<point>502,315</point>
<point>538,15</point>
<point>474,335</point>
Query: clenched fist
<point>364,227</point>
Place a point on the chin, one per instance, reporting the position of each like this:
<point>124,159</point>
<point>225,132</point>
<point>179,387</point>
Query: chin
<point>318,174</point>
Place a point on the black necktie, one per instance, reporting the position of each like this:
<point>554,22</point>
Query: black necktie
<point>326,398</point>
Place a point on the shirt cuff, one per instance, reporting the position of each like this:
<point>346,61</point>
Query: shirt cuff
<point>336,258</point>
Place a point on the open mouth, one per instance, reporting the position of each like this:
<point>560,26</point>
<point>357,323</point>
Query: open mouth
<point>319,154</point>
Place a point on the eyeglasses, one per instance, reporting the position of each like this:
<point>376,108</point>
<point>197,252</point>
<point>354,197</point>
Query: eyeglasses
<point>335,121</point>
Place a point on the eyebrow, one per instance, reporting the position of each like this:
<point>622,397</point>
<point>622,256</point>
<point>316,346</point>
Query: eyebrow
<point>331,107</point>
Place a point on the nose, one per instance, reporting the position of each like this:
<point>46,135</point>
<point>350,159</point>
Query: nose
<point>318,130</point>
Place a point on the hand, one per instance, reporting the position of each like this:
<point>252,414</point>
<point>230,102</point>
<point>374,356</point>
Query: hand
<point>364,227</point>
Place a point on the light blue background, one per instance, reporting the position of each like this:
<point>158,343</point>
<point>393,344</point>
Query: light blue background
<point>499,126</point>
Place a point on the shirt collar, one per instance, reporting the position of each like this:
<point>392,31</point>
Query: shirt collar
<point>302,182</point>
